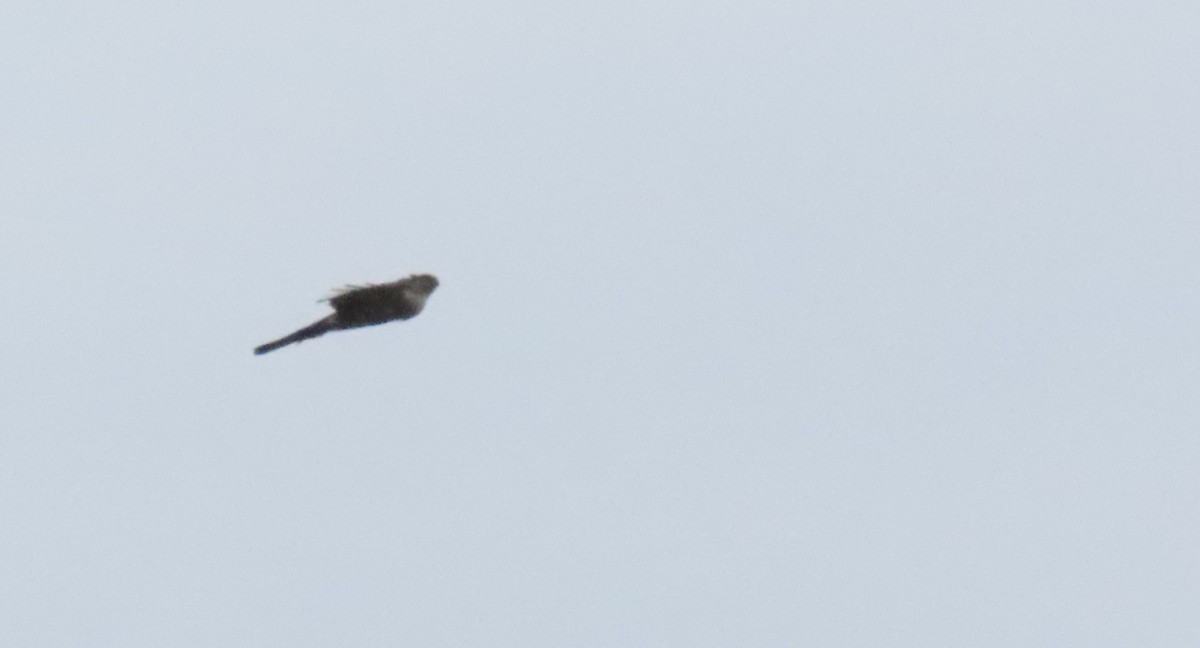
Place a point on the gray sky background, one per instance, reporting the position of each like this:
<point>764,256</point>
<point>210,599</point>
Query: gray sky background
<point>761,324</point>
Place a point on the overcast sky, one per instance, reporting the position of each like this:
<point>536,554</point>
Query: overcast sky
<point>761,323</point>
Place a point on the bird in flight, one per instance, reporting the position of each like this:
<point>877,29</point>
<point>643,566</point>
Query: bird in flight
<point>366,305</point>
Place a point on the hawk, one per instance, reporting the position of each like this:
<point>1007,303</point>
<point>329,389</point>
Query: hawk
<point>366,305</point>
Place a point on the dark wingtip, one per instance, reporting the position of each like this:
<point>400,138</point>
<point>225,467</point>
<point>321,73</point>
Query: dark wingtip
<point>266,348</point>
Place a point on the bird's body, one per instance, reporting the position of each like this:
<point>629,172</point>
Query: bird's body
<point>366,305</point>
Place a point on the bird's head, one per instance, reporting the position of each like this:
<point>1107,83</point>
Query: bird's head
<point>425,283</point>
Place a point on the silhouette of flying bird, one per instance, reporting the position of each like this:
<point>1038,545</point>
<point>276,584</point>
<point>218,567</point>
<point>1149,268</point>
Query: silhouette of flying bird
<point>366,305</point>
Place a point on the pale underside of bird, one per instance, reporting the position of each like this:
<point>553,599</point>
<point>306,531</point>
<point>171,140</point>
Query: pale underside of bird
<point>356,306</point>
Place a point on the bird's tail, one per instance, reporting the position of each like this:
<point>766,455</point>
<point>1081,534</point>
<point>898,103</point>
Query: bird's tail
<point>316,329</point>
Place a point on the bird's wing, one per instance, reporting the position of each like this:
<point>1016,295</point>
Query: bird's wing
<point>357,295</point>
